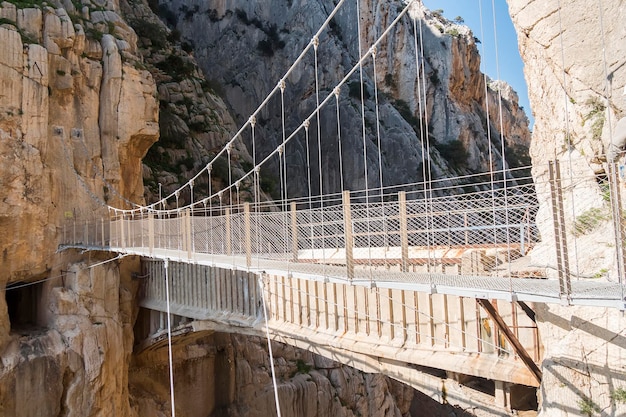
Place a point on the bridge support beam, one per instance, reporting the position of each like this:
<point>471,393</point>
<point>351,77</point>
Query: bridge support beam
<point>506,331</point>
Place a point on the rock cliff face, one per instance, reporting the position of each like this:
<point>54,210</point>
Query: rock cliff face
<point>574,66</point>
<point>245,47</point>
<point>219,374</point>
<point>76,117</point>
<point>73,117</point>
<point>78,112</point>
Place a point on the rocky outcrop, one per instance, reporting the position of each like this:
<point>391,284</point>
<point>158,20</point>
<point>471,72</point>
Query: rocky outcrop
<point>266,43</point>
<point>76,117</point>
<point>80,346</point>
<point>194,121</point>
<point>69,121</point>
<point>576,83</point>
<point>574,68</point>
<point>231,376</point>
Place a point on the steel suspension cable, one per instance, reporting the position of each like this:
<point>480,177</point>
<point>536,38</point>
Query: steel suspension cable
<point>502,149</point>
<point>567,132</point>
<point>489,144</point>
<point>230,177</point>
<point>209,169</point>
<point>418,77</point>
<point>283,178</point>
<point>428,192</point>
<point>308,164</point>
<point>336,92</point>
<point>269,347</point>
<point>315,42</point>
<point>363,135</point>
<point>380,159</point>
<point>169,338</point>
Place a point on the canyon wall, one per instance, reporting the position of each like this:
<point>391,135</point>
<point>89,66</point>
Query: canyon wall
<point>244,48</point>
<point>574,65</point>
<point>77,114</point>
<point>81,89</point>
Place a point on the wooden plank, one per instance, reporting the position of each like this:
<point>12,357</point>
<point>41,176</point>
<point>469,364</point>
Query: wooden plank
<point>349,239</point>
<point>404,234</point>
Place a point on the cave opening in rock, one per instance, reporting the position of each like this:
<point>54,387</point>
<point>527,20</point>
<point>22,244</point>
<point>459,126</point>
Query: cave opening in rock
<point>524,398</point>
<point>22,303</point>
<point>484,385</point>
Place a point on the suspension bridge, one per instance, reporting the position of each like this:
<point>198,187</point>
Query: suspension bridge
<point>411,280</point>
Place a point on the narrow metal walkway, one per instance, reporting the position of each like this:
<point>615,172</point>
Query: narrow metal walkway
<point>584,292</point>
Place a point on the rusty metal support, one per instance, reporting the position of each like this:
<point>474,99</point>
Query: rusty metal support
<point>560,236</point>
<point>514,341</point>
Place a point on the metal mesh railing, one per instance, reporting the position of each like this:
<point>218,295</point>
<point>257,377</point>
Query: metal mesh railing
<point>462,232</point>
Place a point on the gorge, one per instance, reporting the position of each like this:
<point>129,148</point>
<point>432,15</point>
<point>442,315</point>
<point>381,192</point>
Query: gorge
<point>90,89</point>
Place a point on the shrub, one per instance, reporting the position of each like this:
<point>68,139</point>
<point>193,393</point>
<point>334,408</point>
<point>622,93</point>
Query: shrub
<point>301,367</point>
<point>406,113</point>
<point>589,221</point>
<point>619,395</point>
<point>454,32</point>
<point>177,67</point>
<point>588,407</point>
<point>454,152</point>
<point>354,90</point>
<point>271,43</point>
<point>437,13</point>
<point>152,31</point>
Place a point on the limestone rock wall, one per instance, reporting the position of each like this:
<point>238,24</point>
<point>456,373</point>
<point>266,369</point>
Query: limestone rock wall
<point>245,47</point>
<point>75,119</point>
<point>230,376</point>
<point>74,361</point>
<point>576,78</point>
<point>574,67</point>
<point>77,114</point>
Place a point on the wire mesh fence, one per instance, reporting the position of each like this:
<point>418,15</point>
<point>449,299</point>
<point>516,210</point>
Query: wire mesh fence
<point>451,230</point>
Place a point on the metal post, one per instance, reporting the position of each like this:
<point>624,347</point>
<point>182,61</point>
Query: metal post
<point>466,229</point>
<point>347,229</point>
<point>151,231</point>
<point>102,229</point>
<point>246,221</point>
<point>404,233</point>
<point>187,236</point>
<point>618,219</point>
<point>141,227</point>
<point>560,238</point>
<point>122,232</point>
<point>294,231</point>
<point>228,232</point>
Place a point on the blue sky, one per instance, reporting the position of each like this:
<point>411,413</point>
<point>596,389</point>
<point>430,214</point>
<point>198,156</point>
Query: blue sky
<point>507,62</point>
